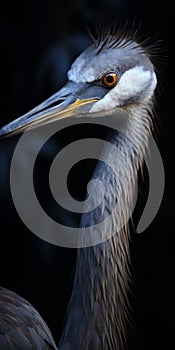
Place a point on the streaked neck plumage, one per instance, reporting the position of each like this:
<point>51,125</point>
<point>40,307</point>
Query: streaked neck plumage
<point>98,309</point>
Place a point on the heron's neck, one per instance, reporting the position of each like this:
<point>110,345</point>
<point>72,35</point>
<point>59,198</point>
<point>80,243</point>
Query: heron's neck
<point>99,304</point>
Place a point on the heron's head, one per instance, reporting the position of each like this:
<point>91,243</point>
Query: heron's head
<point>112,73</point>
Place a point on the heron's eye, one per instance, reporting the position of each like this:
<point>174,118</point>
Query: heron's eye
<point>109,79</point>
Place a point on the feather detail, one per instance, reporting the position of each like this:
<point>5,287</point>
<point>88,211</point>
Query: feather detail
<point>99,309</point>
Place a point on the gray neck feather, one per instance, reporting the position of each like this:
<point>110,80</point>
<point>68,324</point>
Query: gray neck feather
<point>98,308</point>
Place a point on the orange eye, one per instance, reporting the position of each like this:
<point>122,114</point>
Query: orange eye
<point>110,79</point>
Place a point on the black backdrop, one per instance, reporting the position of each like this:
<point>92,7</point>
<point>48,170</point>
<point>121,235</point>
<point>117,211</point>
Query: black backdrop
<point>39,40</point>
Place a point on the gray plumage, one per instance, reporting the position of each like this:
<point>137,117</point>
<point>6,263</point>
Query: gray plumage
<point>99,306</point>
<point>21,326</point>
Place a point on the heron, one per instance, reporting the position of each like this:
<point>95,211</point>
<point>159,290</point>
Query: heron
<point>115,77</point>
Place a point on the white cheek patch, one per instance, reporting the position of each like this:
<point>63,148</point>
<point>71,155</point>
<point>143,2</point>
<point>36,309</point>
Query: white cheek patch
<point>134,82</point>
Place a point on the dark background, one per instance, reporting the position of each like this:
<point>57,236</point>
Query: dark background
<point>39,40</point>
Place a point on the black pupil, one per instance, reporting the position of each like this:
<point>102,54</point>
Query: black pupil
<point>110,79</point>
